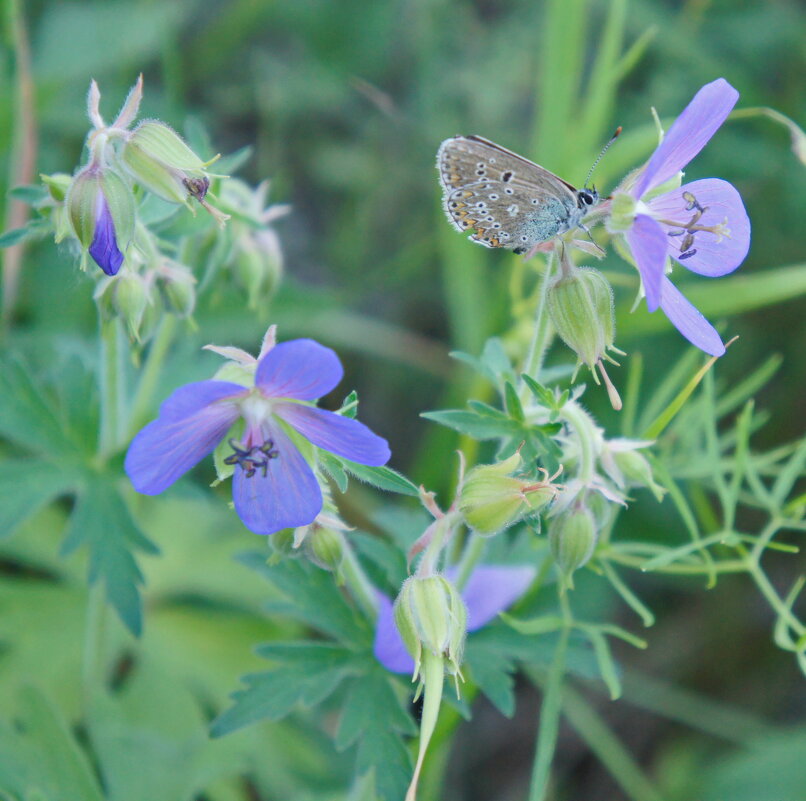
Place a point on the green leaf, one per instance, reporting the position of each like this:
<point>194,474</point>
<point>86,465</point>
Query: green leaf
<point>668,414</point>
<point>102,521</point>
<point>384,478</point>
<point>304,673</point>
<point>473,424</point>
<point>512,403</point>
<point>374,717</point>
<point>332,466</point>
<point>349,406</point>
<point>29,417</point>
<point>40,758</point>
<point>312,596</point>
<point>29,193</point>
<point>28,485</point>
<point>491,667</point>
<point>14,236</point>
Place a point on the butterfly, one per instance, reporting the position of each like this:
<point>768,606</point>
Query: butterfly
<point>505,199</point>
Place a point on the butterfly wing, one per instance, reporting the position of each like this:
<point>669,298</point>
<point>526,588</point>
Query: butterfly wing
<point>507,200</point>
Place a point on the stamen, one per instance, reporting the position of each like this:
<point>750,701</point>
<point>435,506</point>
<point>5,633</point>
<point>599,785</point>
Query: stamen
<point>250,460</point>
<point>687,254</point>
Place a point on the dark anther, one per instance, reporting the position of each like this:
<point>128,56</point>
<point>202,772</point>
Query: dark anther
<point>688,254</point>
<point>197,187</point>
<point>252,459</point>
<point>687,242</point>
<point>507,176</point>
<point>691,203</point>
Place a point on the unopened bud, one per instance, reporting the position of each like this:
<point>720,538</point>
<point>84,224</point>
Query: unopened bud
<point>431,615</point>
<point>581,307</point>
<point>572,538</point>
<point>325,547</point>
<point>158,158</point>
<point>130,299</point>
<point>101,210</point>
<point>491,499</point>
<point>179,287</point>
<point>636,468</point>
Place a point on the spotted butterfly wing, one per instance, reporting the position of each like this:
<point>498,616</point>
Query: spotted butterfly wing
<point>506,200</point>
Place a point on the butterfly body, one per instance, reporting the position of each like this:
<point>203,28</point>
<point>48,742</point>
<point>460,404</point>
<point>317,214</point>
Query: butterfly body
<point>505,199</point>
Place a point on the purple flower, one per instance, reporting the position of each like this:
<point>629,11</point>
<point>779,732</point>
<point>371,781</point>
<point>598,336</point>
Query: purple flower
<point>702,225</point>
<point>273,486</point>
<point>104,247</point>
<point>489,590</point>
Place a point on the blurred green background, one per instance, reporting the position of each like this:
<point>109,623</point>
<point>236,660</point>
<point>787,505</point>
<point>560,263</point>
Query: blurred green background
<point>344,103</point>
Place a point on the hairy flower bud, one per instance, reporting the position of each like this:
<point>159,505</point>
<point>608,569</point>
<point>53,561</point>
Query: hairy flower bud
<point>101,210</point>
<point>572,538</point>
<point>580,304</point>
<point>158,158</point>
<point>130,298</point>
<point>179,288</point>
<point>431,615</point>
<point>636,468</point>
<point>325,547</point>
<point>581,308</point>
<point>491,499</point>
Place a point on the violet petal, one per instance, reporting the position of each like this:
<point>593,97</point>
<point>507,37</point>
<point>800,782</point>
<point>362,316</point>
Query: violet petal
<point>688,320</point>
<point>335,433</point>
<point>649,246</point>
<point>104,246</point>
<point>192,397</point>
<point>713,256</point>
<point>286,497</point>
<point>492,589</point>
<point>301,369</point>
<point>689,134</point>
<point>169,446</point>
<point>389,648</point>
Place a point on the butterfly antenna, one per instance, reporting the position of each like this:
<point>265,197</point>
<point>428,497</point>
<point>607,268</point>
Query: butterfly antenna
<point>604,150</point>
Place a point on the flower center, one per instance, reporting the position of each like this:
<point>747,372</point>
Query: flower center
<point>250,460</point>
<point>690,228</point>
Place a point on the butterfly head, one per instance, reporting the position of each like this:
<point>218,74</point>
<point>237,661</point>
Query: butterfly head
<point>587,198</point>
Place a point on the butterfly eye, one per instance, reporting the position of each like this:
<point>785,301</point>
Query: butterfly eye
<point>586,198</point>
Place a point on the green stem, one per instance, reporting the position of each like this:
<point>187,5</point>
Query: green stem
<point>111,387</point>
<point>22,163</point>
<point>472,554</point>
<point>549,722</point>
<point>541,339</point>
<point>357,582</point>
<point>150,374</point>
<point>585,431</point>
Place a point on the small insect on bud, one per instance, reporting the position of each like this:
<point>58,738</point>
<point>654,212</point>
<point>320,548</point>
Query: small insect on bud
<point>491,499</point>
<point>431,616</point>
<point>158,158</point>
<point>580,304</point>
<point>101,210</point>
<point>572,538</point>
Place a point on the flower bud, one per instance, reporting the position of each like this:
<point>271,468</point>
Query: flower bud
<point>431,615</point>
<point>130,298</point>
<point>325,547</point>
<point>491,499</point>
<point>572,538</point>
<point>282,545</point>
<point>179,288</point>
<point>636,468</point>
<point>101,209</point>
<point>580,304</point>
<point>158,158</point>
